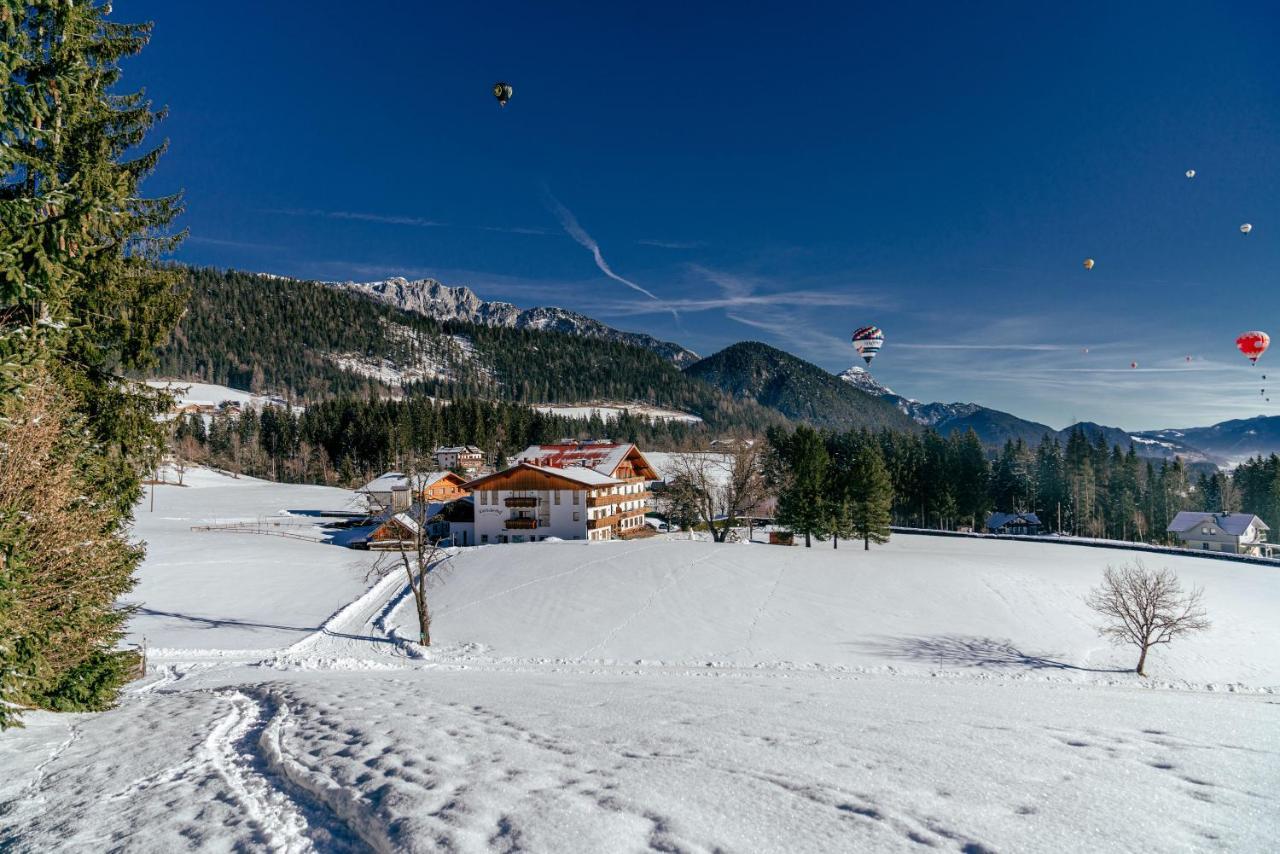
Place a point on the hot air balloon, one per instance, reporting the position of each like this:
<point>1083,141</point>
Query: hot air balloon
<point>1133,364</point>
<point>1253,344</point>
<point>1191,173</point>
<point>503,92</point>
<point>1088,263</point>
<point>1246,228</point>
<point>867,341</point>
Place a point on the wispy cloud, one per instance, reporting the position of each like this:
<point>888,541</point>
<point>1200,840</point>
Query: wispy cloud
<point>513,229</point>
<point>779,312</point>
<point>386,219</point>
<point>578,233</point>
<point>232,244</point>
<point>673,244</point>
<point>412,221</point>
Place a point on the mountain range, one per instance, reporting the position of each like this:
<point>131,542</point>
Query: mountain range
<point>383,337</point>
<point>430,298</point>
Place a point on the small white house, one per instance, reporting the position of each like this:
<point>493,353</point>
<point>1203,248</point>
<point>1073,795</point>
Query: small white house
<point>1235,533</point>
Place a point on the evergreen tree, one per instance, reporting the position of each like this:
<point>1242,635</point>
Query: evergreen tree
<point>872,495</point>
<point>82,303</point>
<point>838,492</point>
<point>801,500</point>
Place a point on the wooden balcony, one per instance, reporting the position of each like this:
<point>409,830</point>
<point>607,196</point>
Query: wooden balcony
<point>602,500</point>
<point>603,522</point>
<point>520,524</point>
<point>521,501</point>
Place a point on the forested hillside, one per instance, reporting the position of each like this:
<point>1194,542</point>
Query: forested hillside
<point>311,342</point>
<point>800,390</point>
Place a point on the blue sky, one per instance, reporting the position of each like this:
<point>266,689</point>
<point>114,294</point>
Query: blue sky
<point>777,172</point>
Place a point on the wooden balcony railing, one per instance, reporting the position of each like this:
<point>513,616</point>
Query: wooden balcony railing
<point>601,500</point>
<point>520,523</point>
<point>603,522</point>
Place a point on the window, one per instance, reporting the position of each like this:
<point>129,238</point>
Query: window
<point>556,493</point>
<point>1205,531</point>
<point>577,517</point>
<point>484,539</point>
<point>575,500</point>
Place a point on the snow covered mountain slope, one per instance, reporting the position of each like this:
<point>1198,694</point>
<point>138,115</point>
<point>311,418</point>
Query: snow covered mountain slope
<point>671,695</point>
<point>433,299</point>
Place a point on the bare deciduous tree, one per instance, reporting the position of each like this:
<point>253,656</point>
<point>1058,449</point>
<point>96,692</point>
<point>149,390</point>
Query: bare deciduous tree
<point>1145,608</point>
<point>422,561</point>
<point>718,486</point>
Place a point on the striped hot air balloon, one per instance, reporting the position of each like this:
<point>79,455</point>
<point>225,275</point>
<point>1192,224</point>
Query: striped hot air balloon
<point>867,341</point>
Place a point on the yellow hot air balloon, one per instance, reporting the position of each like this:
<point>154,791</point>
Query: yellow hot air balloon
<point>1088,263</point>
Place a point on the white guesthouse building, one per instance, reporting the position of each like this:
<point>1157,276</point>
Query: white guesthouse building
<point>571,490</point>
<point>1237,533</point>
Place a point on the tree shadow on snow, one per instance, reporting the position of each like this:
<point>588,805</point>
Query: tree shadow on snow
<point>229,622</point>
<point>971,651</point>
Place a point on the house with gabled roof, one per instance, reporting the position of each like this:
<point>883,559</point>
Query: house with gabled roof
<point>1017,524</point>
<point>567,490</point>
<point>1234,533</point>
<point>393,489</point>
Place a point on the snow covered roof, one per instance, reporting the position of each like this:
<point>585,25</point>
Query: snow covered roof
<point>459,449</point>
<point>578,474</point>
<point>1234,524</point>
<point>998,520</point>
<point>603,457</point>
<point>394,480</point>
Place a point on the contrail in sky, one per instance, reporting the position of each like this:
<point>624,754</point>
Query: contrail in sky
<point>578,233</point>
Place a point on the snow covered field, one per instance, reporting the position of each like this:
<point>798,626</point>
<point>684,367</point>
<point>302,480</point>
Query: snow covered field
<point>933,694</point>
<point>210,394</point>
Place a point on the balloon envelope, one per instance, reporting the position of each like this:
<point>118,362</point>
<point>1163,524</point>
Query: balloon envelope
<point>1246,228</point>
<point>867,341</point>
<point>1191,173</point>
<point>1088,263</point>
<point>503,92</point>
<point>1253,344</point>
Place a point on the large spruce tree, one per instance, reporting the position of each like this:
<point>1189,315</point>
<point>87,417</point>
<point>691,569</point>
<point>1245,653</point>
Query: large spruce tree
<point>83,302</point>
<point>799,471</point>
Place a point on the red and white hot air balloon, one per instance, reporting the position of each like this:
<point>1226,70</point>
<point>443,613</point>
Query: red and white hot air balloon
<point>867,341</point>
<point>1253,344</point>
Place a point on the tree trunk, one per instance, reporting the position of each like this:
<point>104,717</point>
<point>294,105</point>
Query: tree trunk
<point>1142,662</point>
<point>807,544</point>
<point>835,542</point>
<point>866,544</point>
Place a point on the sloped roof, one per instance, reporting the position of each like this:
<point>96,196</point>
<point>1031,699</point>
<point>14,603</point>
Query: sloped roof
<point>576,474</point>
<point>393,480</point>
<point>1234,524</point>
<point>999,520</point>
<point>603,457</point>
